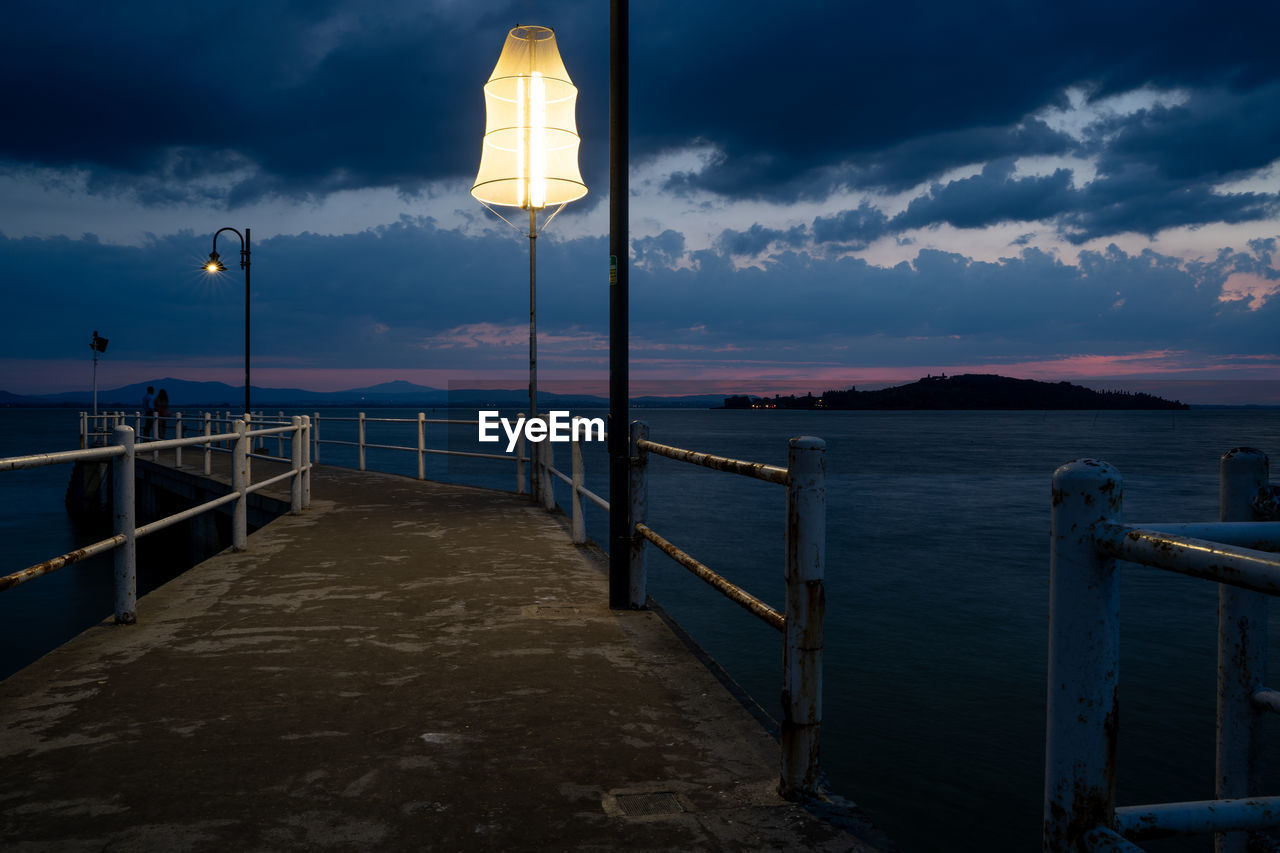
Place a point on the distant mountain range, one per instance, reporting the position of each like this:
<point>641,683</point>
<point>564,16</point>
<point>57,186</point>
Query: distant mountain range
<point>399,394</point>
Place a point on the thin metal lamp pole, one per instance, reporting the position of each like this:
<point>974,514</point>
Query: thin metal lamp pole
<point>620,531</point>
<point>534,478</point>
<point>215,265</point>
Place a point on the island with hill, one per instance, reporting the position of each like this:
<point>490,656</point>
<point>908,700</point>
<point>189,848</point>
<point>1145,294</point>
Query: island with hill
<point>966,391</point>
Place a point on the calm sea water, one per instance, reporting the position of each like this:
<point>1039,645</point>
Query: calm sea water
<point>937,589</point>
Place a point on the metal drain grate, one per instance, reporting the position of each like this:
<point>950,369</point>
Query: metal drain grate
<point>646,805</point>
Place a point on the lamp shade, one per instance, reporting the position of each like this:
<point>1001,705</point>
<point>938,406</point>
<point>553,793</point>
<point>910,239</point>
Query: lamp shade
<point>530,155</point>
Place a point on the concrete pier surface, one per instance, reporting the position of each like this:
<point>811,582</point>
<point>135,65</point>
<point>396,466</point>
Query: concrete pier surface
<point>404,666</point>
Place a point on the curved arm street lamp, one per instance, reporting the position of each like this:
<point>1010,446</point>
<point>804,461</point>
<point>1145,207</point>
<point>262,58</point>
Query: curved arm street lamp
<point>530,154</point>
<point>215,265</point>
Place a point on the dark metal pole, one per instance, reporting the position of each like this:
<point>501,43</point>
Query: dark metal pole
<point>533,336</point>
<point>620,531</point>
<point>244,262</point>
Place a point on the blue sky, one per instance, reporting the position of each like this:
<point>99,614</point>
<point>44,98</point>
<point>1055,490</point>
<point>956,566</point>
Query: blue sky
<point>823,194</point>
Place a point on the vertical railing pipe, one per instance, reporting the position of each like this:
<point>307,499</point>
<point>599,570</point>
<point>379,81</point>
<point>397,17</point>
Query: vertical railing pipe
<point>208,445</point>
<point>177,433</point>
<point>806,537</point>
<point>295,460</point>
<point>84,429</point>
<point>360,440</point>
<point>579,528</point>
<point>1081,729</point>
<point>1242,651</point>
<point>306,462</point>
<point>280,437</point>
<point>520,457</point>
<point>547,482</point>
<point>125,524</point>
<point>240,485</point>
<point>422,446</point>
<point>315,438</point>
<point>638,493</point>
<point>248,449</point>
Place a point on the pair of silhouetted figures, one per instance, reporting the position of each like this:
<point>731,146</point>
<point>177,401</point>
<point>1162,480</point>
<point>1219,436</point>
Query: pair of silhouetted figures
<point>155,412</point>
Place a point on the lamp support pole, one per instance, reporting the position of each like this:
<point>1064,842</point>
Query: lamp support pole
<point>533,335</point>
<point>620,525</point>
<point>216,266</point>
<point>244,262</point>
<point>95,379</point>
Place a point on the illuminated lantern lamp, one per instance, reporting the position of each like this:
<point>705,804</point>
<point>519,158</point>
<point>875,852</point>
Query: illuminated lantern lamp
<point>530,154</point>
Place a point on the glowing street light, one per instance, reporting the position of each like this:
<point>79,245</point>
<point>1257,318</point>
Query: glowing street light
<point>530,154</point>
<point>215,265</point>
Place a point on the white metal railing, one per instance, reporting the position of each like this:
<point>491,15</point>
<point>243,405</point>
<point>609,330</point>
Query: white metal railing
<point>1082,731</point>
<point>802,621</point>
<point>361,442</point>
<point>122,454</point>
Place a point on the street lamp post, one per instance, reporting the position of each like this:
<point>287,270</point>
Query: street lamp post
<point>98,345</point>
<point>530,154</point>
<point>214,265</point>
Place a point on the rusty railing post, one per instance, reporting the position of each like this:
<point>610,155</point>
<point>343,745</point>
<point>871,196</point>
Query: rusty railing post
<point>575,455</point>
<point>637,590</point>
<point>548,453</point>
<point>360,439</point>
<point>1242,650</point>
<point>1081,728</point>
<point>125,524</point>
<point>295,460</point>
<point>805,609</point>
<point>239,485</point>
<point>306,461</point>
<point>208,445</point>
<point>422,446</point>
<point>520,457</point>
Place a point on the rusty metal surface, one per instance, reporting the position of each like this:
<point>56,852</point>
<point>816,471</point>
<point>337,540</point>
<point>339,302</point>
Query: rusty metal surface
<point>1082,724</point>
<point>804,572</point>
<point>37,460</point>
<point>56,563</point>
<point>1254,535</point>
<point>1162,820</point>
<point>758,470</point>
<point>1243,567</point>
<point>734,593</point>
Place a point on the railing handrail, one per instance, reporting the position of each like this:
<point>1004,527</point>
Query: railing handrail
<point>757,470</point>
<point>123,455</point>
<point>734,593</point>
<point>801,624</point>
<point>39,460</point>
<point>1088,538</point>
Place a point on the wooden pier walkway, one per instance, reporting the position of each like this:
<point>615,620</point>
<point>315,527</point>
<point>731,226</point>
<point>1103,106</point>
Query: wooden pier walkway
<point>405,666</point>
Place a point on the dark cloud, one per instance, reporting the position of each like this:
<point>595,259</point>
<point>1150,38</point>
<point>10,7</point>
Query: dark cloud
<point>898,94</point>
<point>1140,199</point>
<point>311,97</point>
<point>855,229</point>
<point>411,295</point>
<point>990,197</point>
<point>663,250</point>
<point>304,98</point>
<point>757,239</point>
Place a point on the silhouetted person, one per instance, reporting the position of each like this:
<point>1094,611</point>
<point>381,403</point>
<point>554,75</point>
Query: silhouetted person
<point>148,411</point>
<point>162,412</point>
